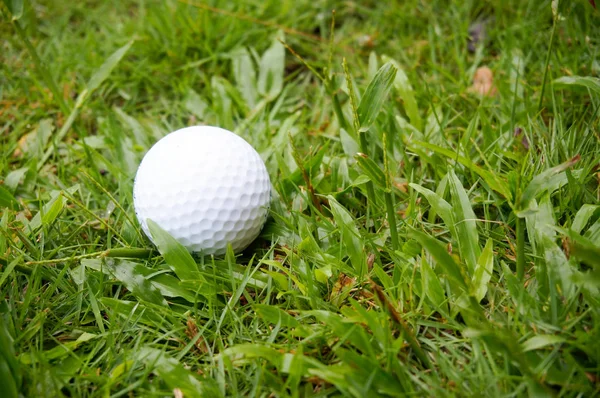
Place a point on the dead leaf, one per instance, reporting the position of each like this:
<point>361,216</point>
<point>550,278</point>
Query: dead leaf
<point>483,82</point>
<point>341,289</point>
<point>35,141</point>
<point>191,331</point>
<point>370,261</point>
<point>402,186</point>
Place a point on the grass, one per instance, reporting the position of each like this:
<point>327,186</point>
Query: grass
<point>423,240</point>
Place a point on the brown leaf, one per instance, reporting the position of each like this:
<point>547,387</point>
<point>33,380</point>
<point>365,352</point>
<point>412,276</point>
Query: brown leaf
<point>177,393</point>
<point>370,261</point>
<point>341,289</point>
<point>34,141</point>
<point>402,186</point>
<point>483,82</point>
<point>191,331</point>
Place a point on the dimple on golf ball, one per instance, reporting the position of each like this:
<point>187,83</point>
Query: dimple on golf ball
<point>205,186</point>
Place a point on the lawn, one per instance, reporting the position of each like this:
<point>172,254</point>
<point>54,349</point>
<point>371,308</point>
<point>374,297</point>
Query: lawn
<point>435,220</point>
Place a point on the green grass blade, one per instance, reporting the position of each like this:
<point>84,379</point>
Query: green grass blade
<point>483,271</point>
<point>174,374</point>
<point>466,226</point>
<point>271,70</point>
<point>407,94</point>
<point>542,182</point>
<point>7,200</point>
<point>375,95</point>
<point>371,170</point>
<point>541,341</point>
<point>132,276</point>
<point>95,81</point>
<point>439,205</point>
<point>432,287</point>
<point>583,216</point>
<point>102,73</point>
<point>275,315</point>
<point>15,7</point>
<point>350,236</point>
<point>588,82</point>
<point>439,252</point>
<point>179,259</point>
<point>496,183</point>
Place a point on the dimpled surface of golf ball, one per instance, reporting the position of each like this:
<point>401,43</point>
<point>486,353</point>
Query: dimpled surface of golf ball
<point>205,186</point>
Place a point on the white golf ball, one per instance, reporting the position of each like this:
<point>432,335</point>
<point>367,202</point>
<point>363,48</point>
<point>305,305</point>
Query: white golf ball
<point>206,186</point>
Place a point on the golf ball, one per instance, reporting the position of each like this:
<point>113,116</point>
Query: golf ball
<point>205,186</point>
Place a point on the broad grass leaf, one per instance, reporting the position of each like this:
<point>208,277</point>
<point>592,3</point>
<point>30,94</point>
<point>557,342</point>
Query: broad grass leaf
<point>439,205</point>
<point>51,210</point>
<point>583,216</point>
<point>559,268</point>
<point>7,200</point>
<point>174,374</point>
<point>540,221</point>
<point>32,144</point>
<point>349,144</point>
<point>375,382</point>
<point>372,170</point>
<point>275,315</point>
<point>373,66</point>
<point>340,327</point>
<point>176,256</point>
<point>483,271</point>
<point>349,380</point>
<point>524,302</point>
<point>452,270</point>
<point>584,249</point>
<point>388,283</point>
<point>311,166</point>
<point>15,7</point>
<point>271,69</point>
<point>466,226</point>
<point>9,384</point>
<point>95,307</point>
<point>432,287</point>
<point>373,320</point>
<point>249,350</point>
<point>132,276</point>
<point>541,341</point>
<point>133,126</point>
<point>350,236</point>
<point>170,286</point>
<point>295,364</point>
<point>244,74</point>
<point>407,93</point>
<point>291,275</point>
<point>95,81</point>
<point>375,95</point>
<point>491,179</point>
<point>593,232</point>
<point>10,369</point>
<point>195,104</point>
<point>542,182</point>
<point>8,268</point>
<point>102,73</point>
<point>60,351</point>
<point>12,180</point>
<point>134,311</point>
<point>589,82</point>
